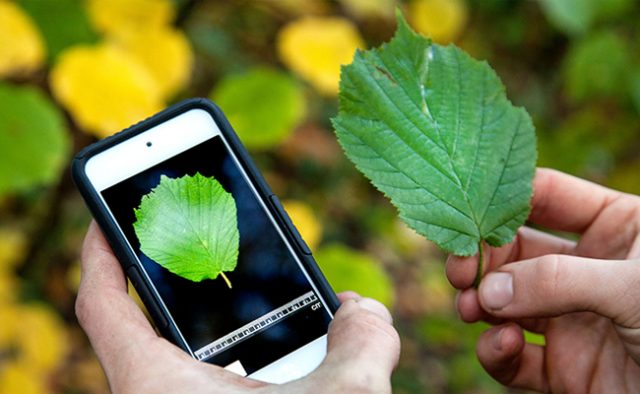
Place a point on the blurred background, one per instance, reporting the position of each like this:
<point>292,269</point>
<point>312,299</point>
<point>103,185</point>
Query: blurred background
<point>75,71</point>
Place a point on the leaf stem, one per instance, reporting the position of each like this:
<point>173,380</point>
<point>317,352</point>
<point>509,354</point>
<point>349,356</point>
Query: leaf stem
<point>225,279</point>
<point>476,282</point>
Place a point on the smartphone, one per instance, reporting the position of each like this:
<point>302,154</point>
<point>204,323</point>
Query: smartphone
<point>267,317</point>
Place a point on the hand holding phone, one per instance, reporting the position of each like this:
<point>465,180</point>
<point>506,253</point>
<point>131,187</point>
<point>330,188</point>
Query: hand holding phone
<point>363,345</point>
<point>209,248</point>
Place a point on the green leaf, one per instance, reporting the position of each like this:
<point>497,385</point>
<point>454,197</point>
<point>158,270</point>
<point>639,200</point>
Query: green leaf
<point>587,142</point>
<point>189,226</point>
<point>348,269</point>
<point>263,105</point>
<point>433,130</point>
<point>576,17</point>
<point>570,16</point>
<point>62,22</point>
<point>597,66</point>
<point>34,144</point>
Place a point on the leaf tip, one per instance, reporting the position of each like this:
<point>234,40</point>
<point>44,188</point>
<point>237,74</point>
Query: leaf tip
<point>401,20</point>
<point>403,28</point>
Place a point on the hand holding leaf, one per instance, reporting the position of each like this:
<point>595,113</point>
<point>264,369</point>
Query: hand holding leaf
<point>433,130</point>
<point>189,226</point>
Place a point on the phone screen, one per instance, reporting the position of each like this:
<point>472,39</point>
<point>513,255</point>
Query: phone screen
<point>271,309</point>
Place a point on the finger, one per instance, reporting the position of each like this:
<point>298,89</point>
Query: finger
<point>503,353</point>
<point>363,347</point>
<point>553,285</point>
<point>614,233</point>
<point>564,202</point>
<point>348,295</point>
<point>368,303</point>
<point>461,270</point>
<point>97,261</point>
<point>470,311</point>
<point>115,325</point>
<point>469,308</point>
<point>528,243</point>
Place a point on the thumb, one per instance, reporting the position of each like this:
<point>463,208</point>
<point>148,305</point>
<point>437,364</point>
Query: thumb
<point>363,346</point>
<point>553,285</point>
<point>115,325</point>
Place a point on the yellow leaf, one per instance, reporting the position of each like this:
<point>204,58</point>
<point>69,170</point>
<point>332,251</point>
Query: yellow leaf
<point>8,317</point>
<point>21,47</point>
<point>315,47</point>
<point>13,245</point>
<point>104,88</point>
<point>40,338</point>
<point>165,52</point>
<point>116,16</point>
<point>20,378</point>
<point>370,9</point>
<point>9,287</point>
<point>441,20</point>
<point>305,221</point>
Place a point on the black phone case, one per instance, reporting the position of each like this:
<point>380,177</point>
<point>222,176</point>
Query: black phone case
<point>118,243</point>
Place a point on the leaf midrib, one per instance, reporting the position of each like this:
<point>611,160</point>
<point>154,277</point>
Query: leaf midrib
<point>185,214</point>
<point>419,186</point>
<point>440,144</point>
<point>495,190</point>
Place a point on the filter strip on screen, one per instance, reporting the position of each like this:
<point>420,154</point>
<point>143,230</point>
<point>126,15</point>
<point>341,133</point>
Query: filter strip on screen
<point>252,328</point>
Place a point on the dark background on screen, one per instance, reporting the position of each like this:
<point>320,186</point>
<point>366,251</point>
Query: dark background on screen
<point>266,276</point>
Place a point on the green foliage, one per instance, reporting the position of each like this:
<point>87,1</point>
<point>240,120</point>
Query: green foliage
<point>263,105</point>
<point>575,17</point>
<point>465,372</point>
<point>348,269</point>
<point>438,330</point>
<point>625,178</point>
<point>597,67</point>
<point>635,89</point>
<point>586,142</point>
<point>433,130</point>
<point>34,144</point>
<point>63,23</point>
<point>189,226</point>
<point>456,342</point>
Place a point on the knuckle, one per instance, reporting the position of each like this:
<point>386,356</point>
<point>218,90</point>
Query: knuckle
<point>549,273</point>
<point>369,325</point>
<point>364,325</point>
<point>83,308</point>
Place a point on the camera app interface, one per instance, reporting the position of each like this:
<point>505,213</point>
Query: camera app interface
<point>229,281</point>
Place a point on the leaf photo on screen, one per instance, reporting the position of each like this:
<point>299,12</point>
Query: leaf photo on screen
<point>189,226</point>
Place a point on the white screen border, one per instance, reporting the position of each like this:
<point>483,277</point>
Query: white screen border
<point>133,156</point>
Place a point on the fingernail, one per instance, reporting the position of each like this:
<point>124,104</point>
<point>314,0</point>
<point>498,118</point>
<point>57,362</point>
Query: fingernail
<point>376,307</point>
<point>497,290</point>
<point>450,259</point>
<point>453,259</point>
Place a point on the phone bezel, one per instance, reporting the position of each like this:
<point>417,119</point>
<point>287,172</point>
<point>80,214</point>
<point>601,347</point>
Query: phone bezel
<point>127,153</point>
